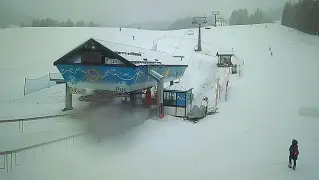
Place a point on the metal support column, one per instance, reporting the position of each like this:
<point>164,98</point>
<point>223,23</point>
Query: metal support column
<point>132,99</point>
<point>199,21</point>
<point>199,45</point>
<point>68,98</point>
<point>160,90</point>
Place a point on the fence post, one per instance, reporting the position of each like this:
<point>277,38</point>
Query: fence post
<point>22,125</point>
<point>11,161</point>
<point>15,159</point>
<point>7,165</point>
<point>25,80</point>
<point>4,161</point>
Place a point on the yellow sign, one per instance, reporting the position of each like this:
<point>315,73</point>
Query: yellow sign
<point>77,91</point>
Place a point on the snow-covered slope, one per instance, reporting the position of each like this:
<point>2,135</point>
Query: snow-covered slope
<point>249,137</point>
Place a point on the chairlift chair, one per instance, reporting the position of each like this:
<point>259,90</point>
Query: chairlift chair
<point>207,111</point>
<point>190,32</point>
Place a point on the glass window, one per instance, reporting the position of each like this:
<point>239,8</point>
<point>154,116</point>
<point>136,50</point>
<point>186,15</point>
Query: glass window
<point>166,95</point>
<point>169,98</point>
<point>92,58</point>
<point>173,99</point>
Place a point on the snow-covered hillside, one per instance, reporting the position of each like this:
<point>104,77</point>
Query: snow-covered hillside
<point>248,139</point>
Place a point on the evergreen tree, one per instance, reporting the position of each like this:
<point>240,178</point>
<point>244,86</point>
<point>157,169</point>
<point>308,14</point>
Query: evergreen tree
<point>80,24</point>
<point>49,22</point>
<point>242,17</point>
<point>288,14</point>
<point>302,16</point>
<point>239,17</point>
<point>91,24</point>
<point>69,23</point>
<point>257,17</point>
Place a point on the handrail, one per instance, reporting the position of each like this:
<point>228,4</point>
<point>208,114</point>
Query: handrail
<point>33,118</point>
<point>38,145</point>
<point>10,152</point>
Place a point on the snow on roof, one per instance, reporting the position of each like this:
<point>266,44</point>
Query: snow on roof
<point>141,56</point>
<point>225,51</point>
<point>176,87</point>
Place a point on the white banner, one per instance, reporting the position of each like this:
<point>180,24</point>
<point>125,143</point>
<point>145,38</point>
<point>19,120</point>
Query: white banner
<point>33,85</point>
<point>56,76</point>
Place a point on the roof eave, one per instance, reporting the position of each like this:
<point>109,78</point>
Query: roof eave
<point>122,59</point>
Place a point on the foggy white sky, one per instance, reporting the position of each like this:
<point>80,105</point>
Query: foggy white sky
<point>131,11</point>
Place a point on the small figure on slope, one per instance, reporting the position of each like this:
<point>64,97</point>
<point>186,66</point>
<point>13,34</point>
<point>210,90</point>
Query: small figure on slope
<point>294,152</point>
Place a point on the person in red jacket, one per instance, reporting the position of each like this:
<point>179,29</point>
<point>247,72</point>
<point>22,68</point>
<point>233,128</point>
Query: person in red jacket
<point>294,152</point>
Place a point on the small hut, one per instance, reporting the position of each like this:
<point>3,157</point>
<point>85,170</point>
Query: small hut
<point>177,100</point>
<point>224,59</point>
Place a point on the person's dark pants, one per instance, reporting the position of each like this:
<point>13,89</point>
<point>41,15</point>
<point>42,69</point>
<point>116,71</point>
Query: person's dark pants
<point>293,158</point>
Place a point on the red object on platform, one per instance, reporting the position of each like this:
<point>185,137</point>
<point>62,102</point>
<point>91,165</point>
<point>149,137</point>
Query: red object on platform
<point>148,98</point>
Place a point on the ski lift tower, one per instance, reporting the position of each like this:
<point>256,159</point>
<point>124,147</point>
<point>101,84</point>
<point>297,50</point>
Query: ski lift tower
<point>222,21</point>
<point>199,21</point>
<point>215,13</point>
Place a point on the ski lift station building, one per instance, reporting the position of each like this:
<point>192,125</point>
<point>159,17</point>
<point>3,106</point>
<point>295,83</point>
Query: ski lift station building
<point>102,65</point>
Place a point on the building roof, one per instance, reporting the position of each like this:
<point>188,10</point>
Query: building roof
<point>141,56</point>
<point>225,53</point>
<point>175,87</point>
<point>98,47</point>
<point>129,55</point>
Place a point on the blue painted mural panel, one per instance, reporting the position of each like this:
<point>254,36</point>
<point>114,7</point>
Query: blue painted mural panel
<point>110,75</point>
<point>170,71</point>
<point>180,98</point>
<point>102,74</point>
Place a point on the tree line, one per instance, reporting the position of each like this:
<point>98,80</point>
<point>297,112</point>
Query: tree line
<point>242,17</point>
<point>302,15</point>
<point>49,22</point>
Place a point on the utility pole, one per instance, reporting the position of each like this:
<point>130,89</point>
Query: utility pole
<point>199,21</point>
<point>215,13</point>
<point>221,19</point>
<point>225,22</point>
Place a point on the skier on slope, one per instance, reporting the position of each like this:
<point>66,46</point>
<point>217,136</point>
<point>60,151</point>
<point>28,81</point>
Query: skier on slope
<point>294,152</point>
